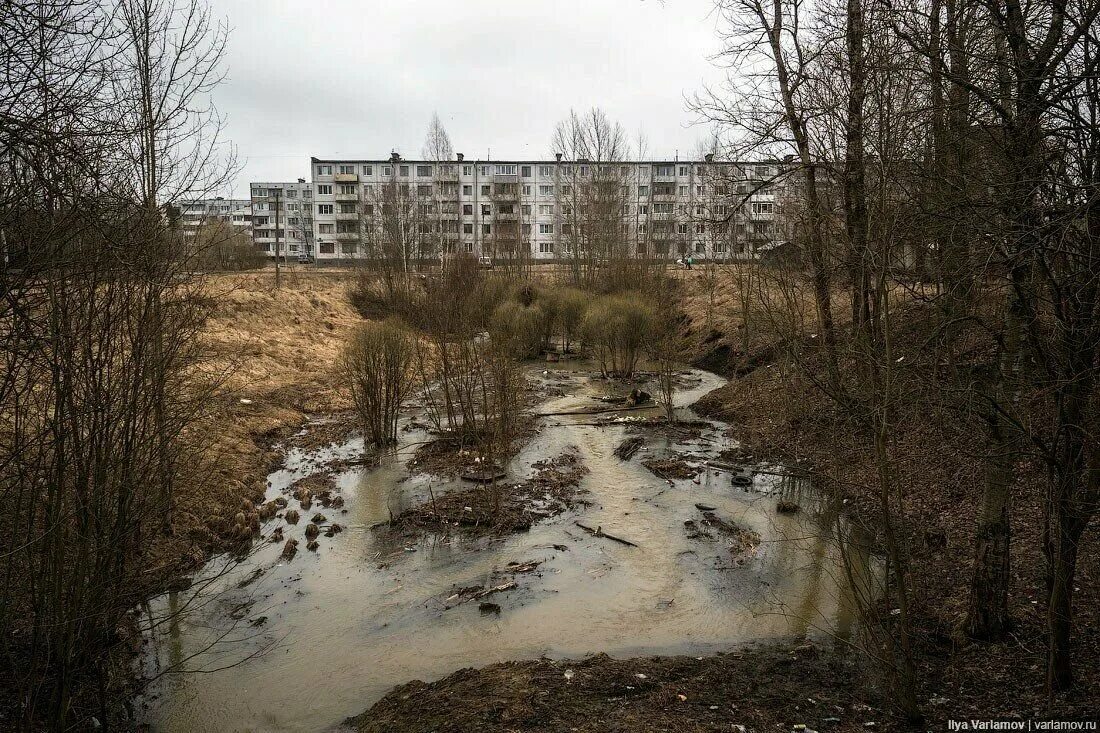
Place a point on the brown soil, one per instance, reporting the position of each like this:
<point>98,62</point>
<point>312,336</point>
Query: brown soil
<point>550,491</point>
<point>452,455</point>
<point>672,468</point>
<point>761,690</point>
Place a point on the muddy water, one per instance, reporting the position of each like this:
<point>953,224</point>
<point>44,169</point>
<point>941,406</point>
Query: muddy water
<point>344,625</point>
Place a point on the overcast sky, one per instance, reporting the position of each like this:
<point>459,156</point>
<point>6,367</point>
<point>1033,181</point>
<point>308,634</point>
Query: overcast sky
<point>359,78</point>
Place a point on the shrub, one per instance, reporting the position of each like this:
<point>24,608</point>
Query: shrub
<point>378,367</point>
<point>519,329</point>
<point>616,328</point>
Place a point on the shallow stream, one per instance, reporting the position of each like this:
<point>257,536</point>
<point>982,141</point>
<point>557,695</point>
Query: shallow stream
<point>343,625</point>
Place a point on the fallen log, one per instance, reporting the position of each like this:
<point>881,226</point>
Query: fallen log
<point>598,532</point>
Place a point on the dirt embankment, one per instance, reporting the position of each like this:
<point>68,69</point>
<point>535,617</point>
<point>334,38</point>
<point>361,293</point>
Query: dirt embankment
<point>757,690</point>
<point>276,350</point>
<point>777,413</point>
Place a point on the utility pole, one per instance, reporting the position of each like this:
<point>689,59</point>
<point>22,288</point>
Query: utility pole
<point>278,273</point>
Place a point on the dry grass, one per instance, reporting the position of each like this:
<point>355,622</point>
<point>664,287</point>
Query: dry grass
<point>277,350</point>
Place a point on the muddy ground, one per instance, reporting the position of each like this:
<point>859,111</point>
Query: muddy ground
<point>751,690</point>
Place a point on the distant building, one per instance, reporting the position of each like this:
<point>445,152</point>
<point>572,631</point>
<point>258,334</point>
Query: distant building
<point>543,209</point>
<point>200,212</point>
<point>282,216</point>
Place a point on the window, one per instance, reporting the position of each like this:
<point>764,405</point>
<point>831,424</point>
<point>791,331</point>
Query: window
<point>762,207</point>
<point>347,248</point>
<point>546,247</point>
<point>584,170</point>
<point>324,170</point>
<point>467,190</point>
<point>484,170</point>
<point>346,188</point>
<point>424,190</point>
<point>346,170</point>
<point>566,229</point>
<point>700,228</point>
<point>328,248</point>
<point>763,171</point>
<point>291,193</point>
<point>546,209</point>
<point>546,190</point>
<point>259,221</point>
<point>467,170</point>
<point>664,189</point>
<point>666,170</point>
<point>525,209</point>
<point>346,227</point>
<point>546,171</point>
<point>506,170</point>
<point>525,171</point>
<point>546,228</point>
<point>698,190</point>
<point>485,190</point>
<point>683,170</point>
<point>699,211</point>
<point>662,208</point>
<point>485,210</point>
<point>486,229</point>
<point>526,190</point>
<point>643,208</point>
<point>387,170</point>
<point>682,190</point>
<point>423,171</point>
<point>526,230</point>
<point>347,208</point>
<point>325,228</point>
<point>324,189</point>
<point>368,209</point>
<point>293,248</point>
<point>404,170</point>
<point>368,170</point>
<point>467,209</point>
<point>643,191</point>
<point>324,208</point>
<point>467,228</point>
<point>681,228</point>
<point>566,190</point>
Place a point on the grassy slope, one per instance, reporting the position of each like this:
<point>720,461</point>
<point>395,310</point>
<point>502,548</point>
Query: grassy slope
<point>277,349</point>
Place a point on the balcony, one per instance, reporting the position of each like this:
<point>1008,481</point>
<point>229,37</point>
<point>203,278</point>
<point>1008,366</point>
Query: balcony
<point>347,197</point>
<point>513,216</point>
<point>345,236</point>
<point>346,178</point>
<point>347,216</point>
<point>505,178</point>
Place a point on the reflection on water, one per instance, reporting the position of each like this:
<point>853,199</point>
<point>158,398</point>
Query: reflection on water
<point>346,624</point>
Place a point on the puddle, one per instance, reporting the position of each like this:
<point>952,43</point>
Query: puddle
<point>364,613</point>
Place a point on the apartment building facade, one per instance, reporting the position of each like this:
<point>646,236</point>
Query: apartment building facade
<point>544,209</point>
<point>282,218</point>
<point>199,212</point>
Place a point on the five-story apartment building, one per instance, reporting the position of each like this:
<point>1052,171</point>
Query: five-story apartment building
<point>543,209</point>
<point>282,218</point>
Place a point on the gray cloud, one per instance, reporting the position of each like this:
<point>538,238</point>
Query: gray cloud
<point>346,78</point>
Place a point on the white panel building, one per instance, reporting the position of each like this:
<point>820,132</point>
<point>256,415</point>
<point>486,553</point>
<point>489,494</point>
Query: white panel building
<point>282,218</point>
<point>536,207</point>
<point>199,212</point>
